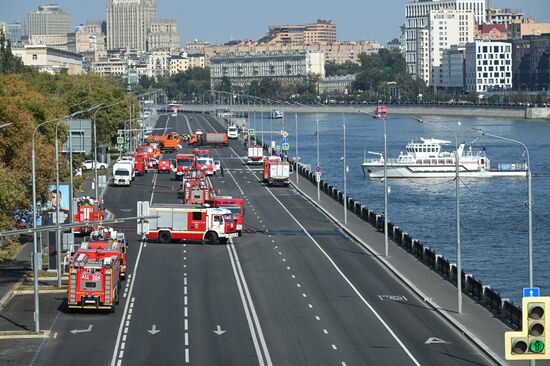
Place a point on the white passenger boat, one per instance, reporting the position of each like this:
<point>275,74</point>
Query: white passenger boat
<point>277,115</point>
<point>426,159</point>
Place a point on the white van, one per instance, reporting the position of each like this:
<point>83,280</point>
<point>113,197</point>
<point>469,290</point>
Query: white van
<point>122,174</point>
<point>232,132</point>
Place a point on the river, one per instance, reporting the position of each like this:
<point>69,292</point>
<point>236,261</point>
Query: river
<point>494,213</point>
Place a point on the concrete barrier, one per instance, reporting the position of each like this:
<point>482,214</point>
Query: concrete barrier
<point>442,266</point>
<point>511,314</point>
<point>390,229</point>
<point>364,213</point>
<point>417,249</point>
<point>428,257</point>
<point>398,236</point>
<point>357,209</point>
<point>407,242</point>
<point>492,300</point>
<point>372,218</point>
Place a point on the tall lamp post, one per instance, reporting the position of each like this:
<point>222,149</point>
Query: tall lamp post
<point>345,173</point>
<point>457,194</point>
<point>386,210</point>
<point>529,198</point>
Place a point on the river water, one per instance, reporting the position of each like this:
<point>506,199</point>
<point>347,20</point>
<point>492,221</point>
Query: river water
<point>494,214</point>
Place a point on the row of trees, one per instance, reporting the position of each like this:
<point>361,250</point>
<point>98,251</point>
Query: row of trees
<point>28,98</point>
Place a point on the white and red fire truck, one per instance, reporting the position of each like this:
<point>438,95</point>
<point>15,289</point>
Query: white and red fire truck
<point>177,222</point>
<point>95,276</point>
<point>88,209</point>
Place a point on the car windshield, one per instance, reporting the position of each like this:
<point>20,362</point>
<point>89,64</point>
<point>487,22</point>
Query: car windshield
<point>145,149</point>
<point>122,172</point>
<point>185,162</point>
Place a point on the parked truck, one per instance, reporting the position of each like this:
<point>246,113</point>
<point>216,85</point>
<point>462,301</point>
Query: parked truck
<point>170,143</point>
<point>94,278</point>
<point>197,192</point>
<point>177,222</point>
<point>255,155</point>
<point>122,174</point>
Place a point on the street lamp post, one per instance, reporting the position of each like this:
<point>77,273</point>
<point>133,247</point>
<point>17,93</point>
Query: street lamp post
<point>296,147</point>
<point>318,160</point>
<point>529,198</point>
<point>345,173</point>
<point>457,195</point>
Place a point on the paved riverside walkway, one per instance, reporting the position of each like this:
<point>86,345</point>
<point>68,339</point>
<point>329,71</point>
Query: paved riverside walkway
<point>476,322</point>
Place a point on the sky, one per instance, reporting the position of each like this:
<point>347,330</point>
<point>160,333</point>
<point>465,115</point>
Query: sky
<point>242,19</point>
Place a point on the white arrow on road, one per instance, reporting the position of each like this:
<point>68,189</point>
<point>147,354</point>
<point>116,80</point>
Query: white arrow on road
<point>219,330</point>
<point>75,331</point>
<point>434,340</point>
<point>153,330</point>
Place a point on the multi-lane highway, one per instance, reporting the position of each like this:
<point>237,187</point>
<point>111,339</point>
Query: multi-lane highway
<point>293,290</point>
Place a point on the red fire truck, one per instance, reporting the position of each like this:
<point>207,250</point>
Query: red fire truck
<point>183,163</point>
<point>95,276</point>
<point>140,164</point>
<point>163,166</point>
<point>87,210</point>
<point>174,222</point>
<point>233,204</point>
<point>197,192</point>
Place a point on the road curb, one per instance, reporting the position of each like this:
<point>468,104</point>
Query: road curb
<point>17,334</point>
<point>449,318</point>
<point>9,295</point>
<point>43,291</point>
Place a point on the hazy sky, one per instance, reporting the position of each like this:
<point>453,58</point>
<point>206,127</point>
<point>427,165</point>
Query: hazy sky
<point>221,21</point>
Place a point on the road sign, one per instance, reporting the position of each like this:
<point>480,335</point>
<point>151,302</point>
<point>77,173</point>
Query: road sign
<point>120,140</point>
<point>531,292</point>
<point>251,132</point>
<point>318,177</point>
<point>284,133</point>
<point>286,146</point>
<point>317,169</point>
<point>285,140</point>
<point>278,148</point>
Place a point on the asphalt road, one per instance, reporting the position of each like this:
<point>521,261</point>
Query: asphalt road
<point>293,290</point>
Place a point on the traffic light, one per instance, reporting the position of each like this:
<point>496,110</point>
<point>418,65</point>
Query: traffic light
<point>530,343</point>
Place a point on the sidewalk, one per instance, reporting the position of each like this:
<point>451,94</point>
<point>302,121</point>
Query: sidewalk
<point>476,322</point>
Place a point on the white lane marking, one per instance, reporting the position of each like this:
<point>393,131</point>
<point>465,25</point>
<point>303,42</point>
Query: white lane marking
<point>186,339</point>
<point>186,325</point>
<point>298,285</point>
<point>187,355</point>
<point>304,295</point>
<point>310,306</point>
<point>185,313</point>
<point>247,311</point>
<point>357,292</point>
<point>293,276</point>
<point>119,363</point>
<point>317,317</point>
<point>124,338</point>
<point>334,347</point>
<point>325,331</point>
<point>123,345</point>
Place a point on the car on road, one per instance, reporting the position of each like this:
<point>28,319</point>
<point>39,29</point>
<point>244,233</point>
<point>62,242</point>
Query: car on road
<point>89,164</point>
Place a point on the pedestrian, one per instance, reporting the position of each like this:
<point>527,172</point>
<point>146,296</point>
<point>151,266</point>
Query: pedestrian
<point>221,170</point>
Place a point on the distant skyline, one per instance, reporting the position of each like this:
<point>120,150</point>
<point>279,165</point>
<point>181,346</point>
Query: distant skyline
<point>247,19</point>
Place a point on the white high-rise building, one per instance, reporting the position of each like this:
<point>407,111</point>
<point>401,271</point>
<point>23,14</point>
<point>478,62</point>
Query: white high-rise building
<point>128,23</point>
<point>488,66</point>
<point>48,20</point>
<point>417,14</point>
<point>447,28</point>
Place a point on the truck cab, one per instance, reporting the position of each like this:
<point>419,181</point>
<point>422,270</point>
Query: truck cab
<point>122,174</point>
<point>184,162</point>
<point>232,132</point>
<point>233,204</point>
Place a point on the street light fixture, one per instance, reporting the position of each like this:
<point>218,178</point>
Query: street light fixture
<point>529,197</point>
<point>457,194</point>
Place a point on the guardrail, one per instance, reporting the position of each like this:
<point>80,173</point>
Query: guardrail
<point>502,308</point>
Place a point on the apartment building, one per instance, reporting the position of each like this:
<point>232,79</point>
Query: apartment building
<point>417,14</point>
<point>488,66</point>
<point>48,20</point>
<point>322,31</point>
<point>128,23</point>
<point>244,67</point>
<point>163,35</point>
<point>50,60</point>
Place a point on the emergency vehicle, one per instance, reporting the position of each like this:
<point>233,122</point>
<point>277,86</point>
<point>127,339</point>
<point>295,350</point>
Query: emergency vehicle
<point>255,155</point>
<point>204,162</point>
<point>174,222</point>
<point>163,166</point>
<point>183,163</point>
<point>88,209</point>
<point>94,278</point>
<point>233,204</point>
<point>197,192</point>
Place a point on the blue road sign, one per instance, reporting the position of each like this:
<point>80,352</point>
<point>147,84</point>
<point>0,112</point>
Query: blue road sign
<point>317,169</point>
<point>120,140</point>
<point>285,140</point>
<point>286,146</point>
<point>251,132</point>
<point>531,292</point>
<point>278,148</point>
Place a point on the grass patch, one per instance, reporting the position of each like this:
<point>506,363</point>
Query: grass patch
<point>8,251</point>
